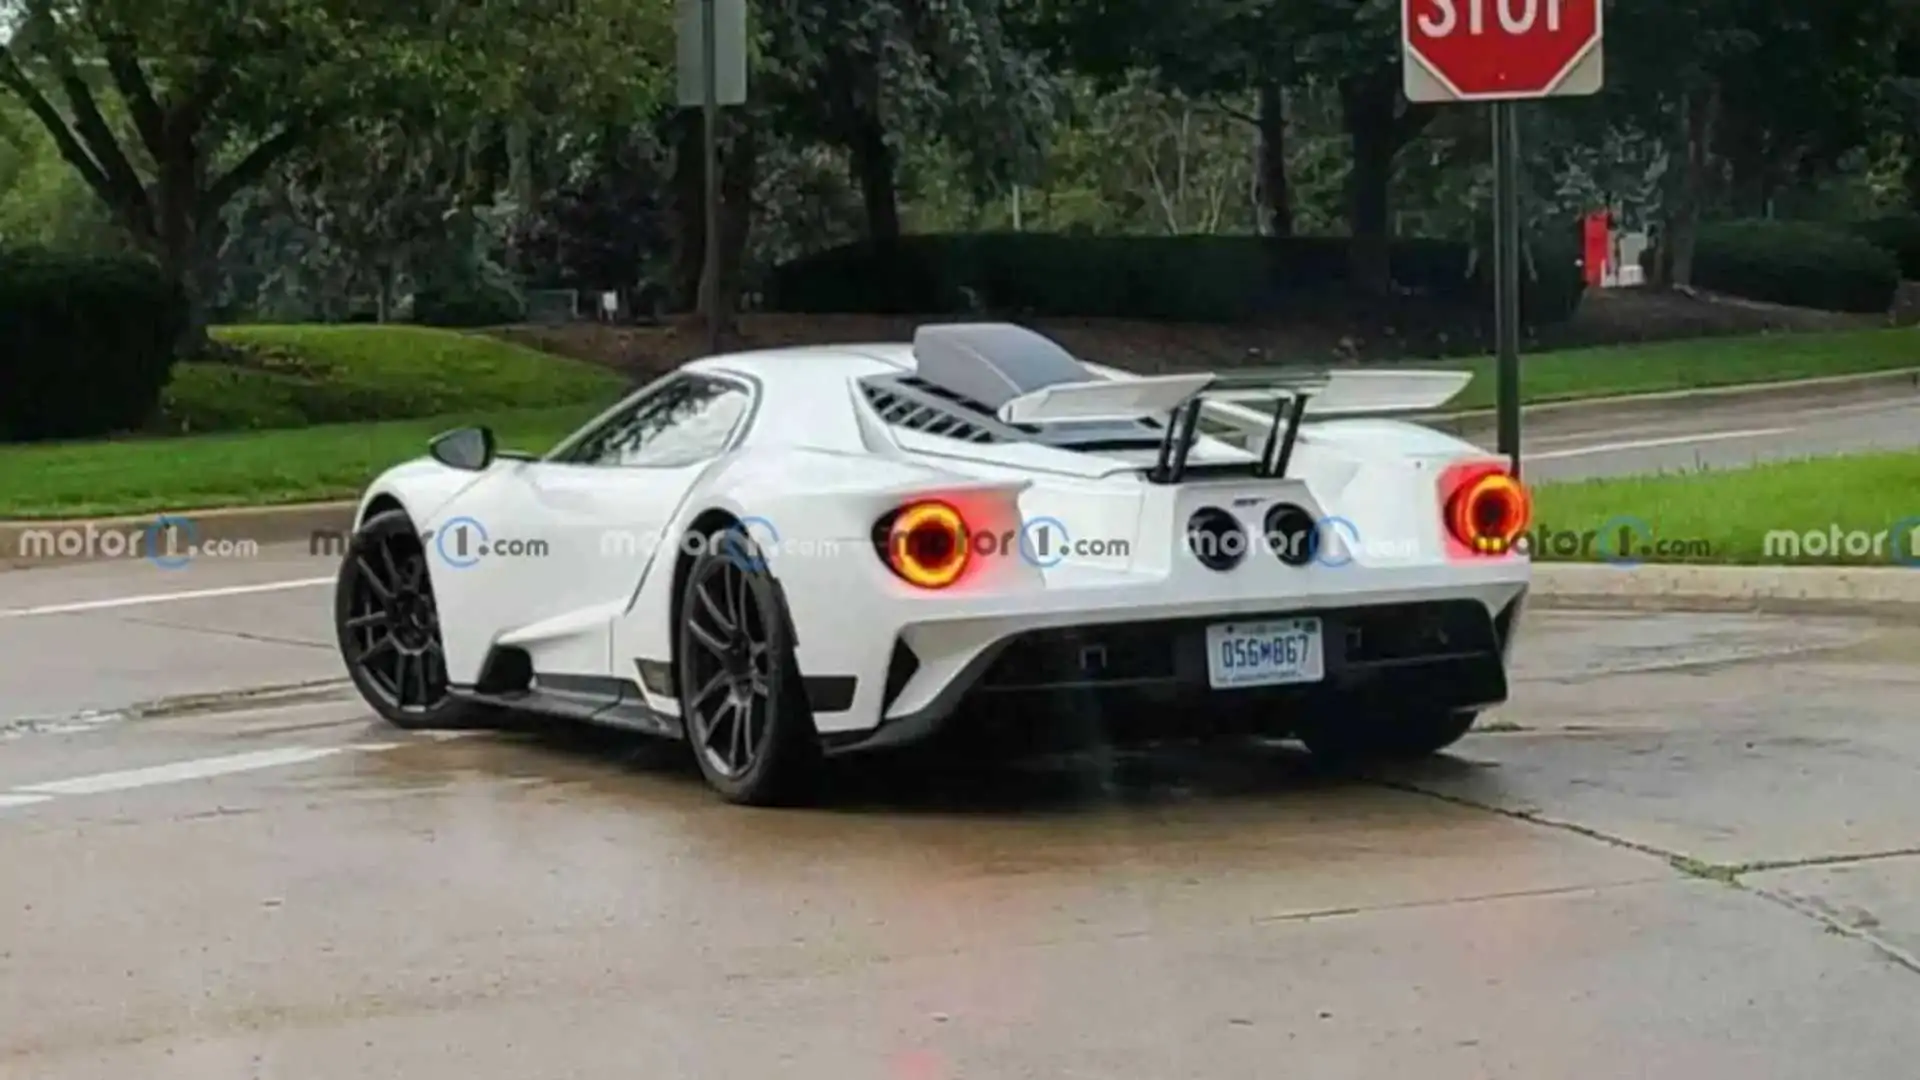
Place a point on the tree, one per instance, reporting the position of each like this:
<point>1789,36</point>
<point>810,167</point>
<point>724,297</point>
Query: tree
<point>168,109</point>
<point>863,75</point>
<point>1707,80</point>
<point>1271,48</point>
<point>1228,51</point>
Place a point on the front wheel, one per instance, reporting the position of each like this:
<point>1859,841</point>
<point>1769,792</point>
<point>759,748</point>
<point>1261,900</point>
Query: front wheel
<point>389,627</point>
<point>741,698</point>
<point>1386,736</point>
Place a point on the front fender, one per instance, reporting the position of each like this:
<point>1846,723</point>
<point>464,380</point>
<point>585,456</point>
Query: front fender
<point>423,488</point>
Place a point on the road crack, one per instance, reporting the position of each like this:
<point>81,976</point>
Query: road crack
<point>1900,957</point>
<point>1728,874</point>
<point>264,639</point>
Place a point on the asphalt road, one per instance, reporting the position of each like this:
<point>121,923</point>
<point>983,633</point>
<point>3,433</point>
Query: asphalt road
<point>1689,847</point>
<point>1719,437</point>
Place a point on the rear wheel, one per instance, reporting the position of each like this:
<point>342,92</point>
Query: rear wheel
<point>741,697</point>
<point>1387,736</point>
<point>389,627</point>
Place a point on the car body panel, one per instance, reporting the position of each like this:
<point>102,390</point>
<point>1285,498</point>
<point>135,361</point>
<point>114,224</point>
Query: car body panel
<point>813,467</point>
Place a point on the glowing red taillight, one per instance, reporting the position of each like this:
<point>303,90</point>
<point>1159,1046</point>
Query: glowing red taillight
<point>1488,511</point>
<point>926,544</point>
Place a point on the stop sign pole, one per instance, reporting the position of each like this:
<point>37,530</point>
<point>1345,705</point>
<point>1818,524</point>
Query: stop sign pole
<point>1502,52</point>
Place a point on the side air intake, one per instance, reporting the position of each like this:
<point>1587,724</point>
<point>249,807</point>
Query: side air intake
<point>901,407</point>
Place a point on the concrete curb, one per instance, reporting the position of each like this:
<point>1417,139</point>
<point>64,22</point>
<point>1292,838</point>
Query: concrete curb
<point>1679,402</point>
<point>28,544</point>
<point>1879,592</point>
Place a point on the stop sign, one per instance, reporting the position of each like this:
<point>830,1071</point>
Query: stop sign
<point>1484,50</point>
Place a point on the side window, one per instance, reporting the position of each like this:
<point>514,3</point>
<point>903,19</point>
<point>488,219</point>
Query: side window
<point>688,420</point>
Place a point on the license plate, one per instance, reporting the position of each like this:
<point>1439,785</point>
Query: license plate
<point>1264,653</point>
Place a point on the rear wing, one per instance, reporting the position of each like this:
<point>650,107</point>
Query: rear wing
<point>1235,399</point>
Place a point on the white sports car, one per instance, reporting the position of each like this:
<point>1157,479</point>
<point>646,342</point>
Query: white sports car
<point>802,552</point>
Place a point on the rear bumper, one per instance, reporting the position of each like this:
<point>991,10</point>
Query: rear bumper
<point>1147,678</point>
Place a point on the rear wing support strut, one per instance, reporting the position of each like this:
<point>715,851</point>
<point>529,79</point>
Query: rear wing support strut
<point>1177,443</point>
<point>1182,429</point>
<point>1278,452</point>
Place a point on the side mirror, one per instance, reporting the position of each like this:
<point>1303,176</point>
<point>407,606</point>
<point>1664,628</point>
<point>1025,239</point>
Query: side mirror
<point>471,449</point>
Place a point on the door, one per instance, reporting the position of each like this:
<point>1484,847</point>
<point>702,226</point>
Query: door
<point>568,537</point>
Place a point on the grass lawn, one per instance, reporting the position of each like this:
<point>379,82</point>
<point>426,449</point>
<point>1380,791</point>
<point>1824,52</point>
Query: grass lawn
<point>1725,517</point>
<point>296,376</point>
<point>313,412</point>
<point>138,476</point>
<point>1694,365</point>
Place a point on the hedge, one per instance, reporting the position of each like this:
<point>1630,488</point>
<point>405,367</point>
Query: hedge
<point>88,343</point>
<point>1899,236</point>
<point>1803,264</point>
<point>467,305</point>
<point>1167,278</point>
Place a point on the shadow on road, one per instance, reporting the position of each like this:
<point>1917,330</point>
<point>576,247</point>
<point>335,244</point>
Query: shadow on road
<point>936,780</point>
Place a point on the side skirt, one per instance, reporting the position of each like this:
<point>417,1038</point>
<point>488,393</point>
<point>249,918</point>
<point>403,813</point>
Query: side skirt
<point>609,702</point>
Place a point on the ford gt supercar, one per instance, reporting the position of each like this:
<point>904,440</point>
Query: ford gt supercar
<point>802,552</point>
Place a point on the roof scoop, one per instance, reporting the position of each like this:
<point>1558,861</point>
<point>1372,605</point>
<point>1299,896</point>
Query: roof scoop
<point>993,363</point>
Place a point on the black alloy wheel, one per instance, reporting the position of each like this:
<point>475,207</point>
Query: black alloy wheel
<point>389,626</point>
<point>741,697</point>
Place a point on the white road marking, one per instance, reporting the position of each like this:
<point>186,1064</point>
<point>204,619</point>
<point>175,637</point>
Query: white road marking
<point>1649,444</point>
<point>181,771</point>
<point>8,802</point>
<point>162,598</point>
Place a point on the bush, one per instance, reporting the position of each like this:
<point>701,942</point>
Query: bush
<point>1802,264</point>
<point>1165,278</point>
<point>467,304</point>
<point>88,343</point>
<point>1899,236</point>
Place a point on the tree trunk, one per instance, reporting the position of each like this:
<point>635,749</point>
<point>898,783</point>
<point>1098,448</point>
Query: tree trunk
<point>1699,113</point>
<point>182,255</point>
<point>1367,106</point>
<point>1910,175</point>
<point>172,236</point>
<point>1276,195</point>
<point>739,172</point>
<point>687,214</point>
<point>873,171</point>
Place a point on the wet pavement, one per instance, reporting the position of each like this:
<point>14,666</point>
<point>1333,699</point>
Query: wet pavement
<point>1689,848</point>
<point>109,636</point>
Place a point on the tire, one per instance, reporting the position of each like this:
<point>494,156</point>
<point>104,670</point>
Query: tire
<point>742,701</point>
<point>1387,736</point>
<point>388,628</point>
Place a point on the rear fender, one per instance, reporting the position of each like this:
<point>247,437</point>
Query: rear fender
<point>812,514</point>
<point>806,500</point>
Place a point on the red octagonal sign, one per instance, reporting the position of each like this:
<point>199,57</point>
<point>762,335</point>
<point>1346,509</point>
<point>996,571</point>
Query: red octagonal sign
<point>1484,50</point>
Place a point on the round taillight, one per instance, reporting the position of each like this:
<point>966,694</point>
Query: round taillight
<point>1216,538</point>
<point>1293,534</point>
<point>927,545</point>
<point>1489,513</point>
